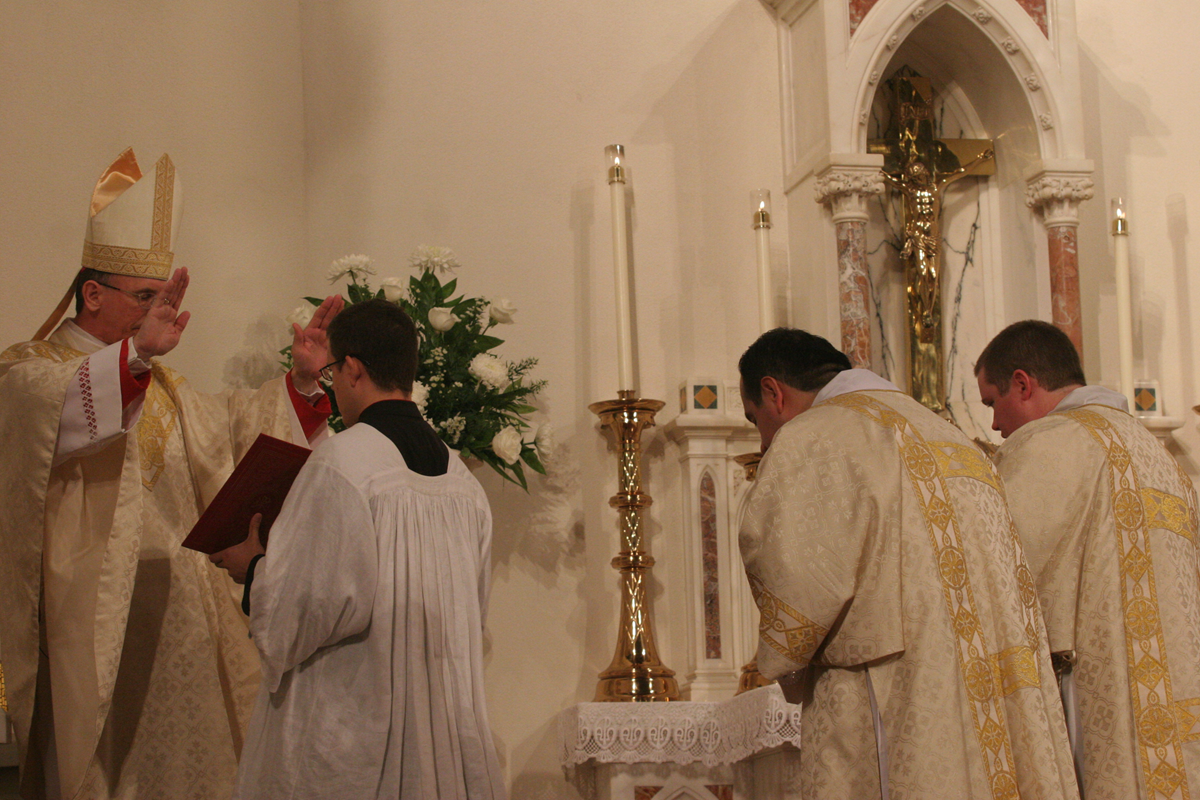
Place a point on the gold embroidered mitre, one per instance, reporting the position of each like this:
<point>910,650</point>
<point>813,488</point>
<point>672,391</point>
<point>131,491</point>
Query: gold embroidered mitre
<point>132,221</point>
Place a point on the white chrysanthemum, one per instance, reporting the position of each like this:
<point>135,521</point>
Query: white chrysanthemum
<point>395,290</point>
<point>489,370</point>
<point>301,315</point>
<point>354,266</point>
<point>420,396</point>
<point>441,319</point>
<point>507,445</point>
<point>440,260</point>
<point>502,310</point>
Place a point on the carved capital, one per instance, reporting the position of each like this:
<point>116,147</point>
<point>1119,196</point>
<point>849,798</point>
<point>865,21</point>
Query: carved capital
<point>846,190</point>
<point>1058,196</point>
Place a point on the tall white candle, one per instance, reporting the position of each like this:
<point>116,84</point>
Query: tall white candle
<point>616,187</point>
<point>1120,232</point>
<point>761,198</point>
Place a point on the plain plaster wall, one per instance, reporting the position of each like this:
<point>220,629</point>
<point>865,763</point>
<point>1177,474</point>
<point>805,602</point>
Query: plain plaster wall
<point>482,127</point>
<point>217,85</point>
<point>1143,132</point>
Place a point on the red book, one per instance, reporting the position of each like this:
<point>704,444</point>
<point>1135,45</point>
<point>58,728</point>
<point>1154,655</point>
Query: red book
<point>258,485</point>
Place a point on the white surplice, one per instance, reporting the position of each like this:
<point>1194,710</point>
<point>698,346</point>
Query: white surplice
<point>368,613</point>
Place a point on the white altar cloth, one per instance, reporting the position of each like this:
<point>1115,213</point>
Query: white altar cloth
<point>716,735</point>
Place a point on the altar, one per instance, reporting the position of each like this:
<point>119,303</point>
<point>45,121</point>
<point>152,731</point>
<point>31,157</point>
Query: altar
<point>737,749</point>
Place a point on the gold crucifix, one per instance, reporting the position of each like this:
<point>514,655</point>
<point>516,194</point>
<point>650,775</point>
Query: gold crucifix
<point>920,166</point>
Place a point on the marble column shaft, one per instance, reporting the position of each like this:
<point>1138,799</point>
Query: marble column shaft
<point>847,190</point>
<point>855,291</point>
<point>1057,196</point>
<point>1065,307</point>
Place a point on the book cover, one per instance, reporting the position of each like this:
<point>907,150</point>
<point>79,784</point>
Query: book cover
<point>258,485</point>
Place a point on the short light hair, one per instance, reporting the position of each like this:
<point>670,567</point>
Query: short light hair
<point>1042,350</point>
<point>796,358</point>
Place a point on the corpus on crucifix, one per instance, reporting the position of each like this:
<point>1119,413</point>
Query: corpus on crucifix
<point>919,166</point>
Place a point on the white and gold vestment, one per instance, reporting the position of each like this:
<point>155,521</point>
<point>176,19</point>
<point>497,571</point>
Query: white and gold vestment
<point>891,585</point>
<point>1109,524</point>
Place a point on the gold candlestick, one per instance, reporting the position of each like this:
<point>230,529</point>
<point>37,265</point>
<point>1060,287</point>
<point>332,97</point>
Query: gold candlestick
<point>751,678</point>
<point>636,674</point>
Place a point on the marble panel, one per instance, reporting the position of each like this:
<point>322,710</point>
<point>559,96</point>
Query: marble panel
<point>1037,10</point>
<point>711,567</point>
<point>858,10</point>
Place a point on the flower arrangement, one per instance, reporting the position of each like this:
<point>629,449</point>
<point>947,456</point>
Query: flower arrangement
<point>476,401</point>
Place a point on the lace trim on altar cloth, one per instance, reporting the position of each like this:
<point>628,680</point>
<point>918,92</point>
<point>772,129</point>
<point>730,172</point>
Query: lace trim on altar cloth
<point>679,733</point>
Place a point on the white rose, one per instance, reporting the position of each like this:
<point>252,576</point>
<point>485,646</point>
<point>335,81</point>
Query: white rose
<point>441,319</point>
<point>502,310</point>
<point>507,445</point>
<point>543,440</point>
<point>420,394</point>
<point>395,289</point>
<point>301,315</point>
<point>489,370</point>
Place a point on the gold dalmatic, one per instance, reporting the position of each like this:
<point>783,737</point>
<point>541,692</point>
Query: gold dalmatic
<point>894,595</point>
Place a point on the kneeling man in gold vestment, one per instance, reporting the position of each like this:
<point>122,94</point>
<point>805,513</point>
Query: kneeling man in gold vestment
<point>1108,520</point>
<point>129,670</point>
<point>894,597</point>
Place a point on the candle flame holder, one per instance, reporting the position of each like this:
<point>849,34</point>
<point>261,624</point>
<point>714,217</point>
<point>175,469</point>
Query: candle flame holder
<point>636,673</point>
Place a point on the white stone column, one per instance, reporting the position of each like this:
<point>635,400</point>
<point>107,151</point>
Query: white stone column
<point>721,608</point>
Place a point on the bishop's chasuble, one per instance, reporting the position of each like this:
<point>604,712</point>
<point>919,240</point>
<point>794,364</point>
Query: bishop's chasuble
<point>891,585</point>
<point>1109,525</point>
<point>146,677</point>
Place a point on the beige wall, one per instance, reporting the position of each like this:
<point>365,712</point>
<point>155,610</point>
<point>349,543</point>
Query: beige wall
<point>1143,132</point>
<point>307,131</point>
<point>217,84</point>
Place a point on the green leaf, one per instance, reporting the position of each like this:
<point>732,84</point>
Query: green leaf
<point>530,457</point>
<point>485,343</point>
<point>316,301</point>
<point>448,289</point>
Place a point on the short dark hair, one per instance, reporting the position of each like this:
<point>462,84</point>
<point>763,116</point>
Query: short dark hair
<point>797,358</point>
<point>383,337</point>
<point>84,276</point>
<point>1040,349</point>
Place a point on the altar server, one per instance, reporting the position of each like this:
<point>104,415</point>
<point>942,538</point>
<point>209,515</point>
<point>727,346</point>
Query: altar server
<point>894,598</point>
<point>1109,524</point>
<point>368,607</point>
<point>128,669</point>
